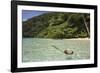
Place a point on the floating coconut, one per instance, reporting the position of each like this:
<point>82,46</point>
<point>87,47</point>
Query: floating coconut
<point>69,52</point>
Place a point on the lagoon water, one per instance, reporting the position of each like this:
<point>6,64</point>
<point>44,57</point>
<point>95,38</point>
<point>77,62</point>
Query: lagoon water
<point>37,49</point>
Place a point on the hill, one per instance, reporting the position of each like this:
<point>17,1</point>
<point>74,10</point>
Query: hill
<point>57,25</point>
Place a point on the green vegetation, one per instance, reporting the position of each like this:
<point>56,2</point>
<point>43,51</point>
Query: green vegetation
<point>58,25</point>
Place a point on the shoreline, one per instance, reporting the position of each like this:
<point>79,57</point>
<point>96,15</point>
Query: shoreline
<point>64,38</point>
<point>78,39</point>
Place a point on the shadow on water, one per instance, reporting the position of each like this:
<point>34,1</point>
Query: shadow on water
<point>69,58</point>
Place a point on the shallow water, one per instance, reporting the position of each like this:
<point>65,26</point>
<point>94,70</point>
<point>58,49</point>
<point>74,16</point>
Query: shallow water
<point>35,49</point>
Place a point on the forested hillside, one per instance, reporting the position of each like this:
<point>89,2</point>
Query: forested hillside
<point>58,25</point>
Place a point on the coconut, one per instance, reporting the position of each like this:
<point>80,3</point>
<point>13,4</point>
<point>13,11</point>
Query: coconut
<point>69,52</point>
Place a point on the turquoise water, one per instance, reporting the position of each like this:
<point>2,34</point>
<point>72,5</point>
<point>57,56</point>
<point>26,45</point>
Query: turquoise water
<point>35,49</point>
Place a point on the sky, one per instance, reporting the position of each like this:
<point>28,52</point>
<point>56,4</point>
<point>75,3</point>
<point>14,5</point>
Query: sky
<point>27,14</point>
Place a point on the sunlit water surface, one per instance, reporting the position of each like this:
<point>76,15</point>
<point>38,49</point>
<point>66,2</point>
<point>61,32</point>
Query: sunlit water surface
<point>35,49</point>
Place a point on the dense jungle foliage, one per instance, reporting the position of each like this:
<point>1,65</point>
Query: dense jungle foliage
<point>58,25</point>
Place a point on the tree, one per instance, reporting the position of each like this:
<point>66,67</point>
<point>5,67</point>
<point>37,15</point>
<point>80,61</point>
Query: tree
<point>85,23</point>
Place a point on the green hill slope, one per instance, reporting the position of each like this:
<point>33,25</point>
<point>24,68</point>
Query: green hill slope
<point>57,25</point>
